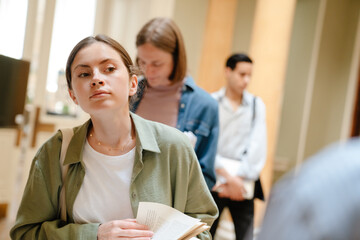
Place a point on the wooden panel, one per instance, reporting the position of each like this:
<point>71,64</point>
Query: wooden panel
<point>217,45</point>
<point>3,210</point>
<point>355,132</point>
<point>269,49</point>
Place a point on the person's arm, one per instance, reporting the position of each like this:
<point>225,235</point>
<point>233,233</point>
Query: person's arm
<point>206,149</point>
<point>200,203</point>
<point>253,161</point>
<point>38,216</point>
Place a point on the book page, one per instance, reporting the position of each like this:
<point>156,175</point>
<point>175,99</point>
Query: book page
<point>166,222</point>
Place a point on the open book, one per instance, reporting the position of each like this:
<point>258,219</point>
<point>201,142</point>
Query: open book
<point>168,223</point>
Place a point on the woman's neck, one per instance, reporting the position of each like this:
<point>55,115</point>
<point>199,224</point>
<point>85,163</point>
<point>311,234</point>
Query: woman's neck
<point>112,136</point>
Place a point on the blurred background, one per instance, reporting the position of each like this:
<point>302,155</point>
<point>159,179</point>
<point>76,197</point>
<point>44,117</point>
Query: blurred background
<point>306,69</point>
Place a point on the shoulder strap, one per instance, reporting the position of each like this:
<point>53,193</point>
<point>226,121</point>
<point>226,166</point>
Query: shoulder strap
<point>253,112</point>
<point>67,134</point>
<point>252,121</point>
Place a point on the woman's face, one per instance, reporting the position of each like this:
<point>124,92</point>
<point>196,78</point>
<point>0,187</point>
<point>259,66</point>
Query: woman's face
<point>100,80</point>
<point>156,63</point>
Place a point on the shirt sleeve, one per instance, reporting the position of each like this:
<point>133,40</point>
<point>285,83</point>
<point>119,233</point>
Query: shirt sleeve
<point>38,217</point>
<point>254,159</point>
<point>199,203</point>
<point>206,150</point>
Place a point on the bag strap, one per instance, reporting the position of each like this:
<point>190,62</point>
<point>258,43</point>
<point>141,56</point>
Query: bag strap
<point>253,113</point>
<point>252,121</point>
<point>67,134</point>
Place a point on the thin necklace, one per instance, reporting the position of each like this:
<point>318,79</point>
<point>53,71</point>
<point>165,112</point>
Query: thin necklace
<point>111,148</point>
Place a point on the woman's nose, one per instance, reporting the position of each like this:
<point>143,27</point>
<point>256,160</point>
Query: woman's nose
<point>146,70</point>
<point>97,82</point>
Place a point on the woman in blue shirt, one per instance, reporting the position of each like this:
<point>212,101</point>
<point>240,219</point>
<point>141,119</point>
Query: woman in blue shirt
<point>168,95</point>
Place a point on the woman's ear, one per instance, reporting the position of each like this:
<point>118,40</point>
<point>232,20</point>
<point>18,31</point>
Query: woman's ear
<point>72,95</point>
<point>133,85</point>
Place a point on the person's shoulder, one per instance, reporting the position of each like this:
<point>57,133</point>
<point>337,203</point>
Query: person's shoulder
<point>201,93</point>
<point>48,150</point>
<point>258,100</point>
<point>52,146</point>
<point>218,94</point>
<point>347,151</point>
<point>203,98</point>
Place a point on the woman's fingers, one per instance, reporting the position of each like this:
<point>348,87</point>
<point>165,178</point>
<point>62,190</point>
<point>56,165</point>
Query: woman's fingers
<point>124,229</point>
<point>134,233</point>
<point>130,224</point>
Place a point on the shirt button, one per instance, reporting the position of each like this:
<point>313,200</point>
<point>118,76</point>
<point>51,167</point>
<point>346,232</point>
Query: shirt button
<point>182,105</point>
<point>133,195</point>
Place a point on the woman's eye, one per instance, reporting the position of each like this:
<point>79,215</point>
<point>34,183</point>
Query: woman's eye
<point>110,69</point>
<point>81,75</point>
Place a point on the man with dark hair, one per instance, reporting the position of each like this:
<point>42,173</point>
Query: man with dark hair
<point>241,151</point>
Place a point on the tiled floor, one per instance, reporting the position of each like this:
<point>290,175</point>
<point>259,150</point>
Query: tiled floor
<point>225,231</point>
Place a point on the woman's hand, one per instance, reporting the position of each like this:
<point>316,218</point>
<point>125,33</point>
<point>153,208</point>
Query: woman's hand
<point>124,229</point>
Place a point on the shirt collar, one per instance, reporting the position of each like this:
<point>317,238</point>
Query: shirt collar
<point>146,139</point>
<point>246,101</point>
<point>76,145</point>
<point>189,83</point>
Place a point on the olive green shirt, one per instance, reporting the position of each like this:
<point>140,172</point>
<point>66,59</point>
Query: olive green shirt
<point>166,171</point>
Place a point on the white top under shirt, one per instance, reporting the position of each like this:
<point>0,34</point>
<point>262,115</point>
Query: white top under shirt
<point>236,134</point>
<point>104,193</point>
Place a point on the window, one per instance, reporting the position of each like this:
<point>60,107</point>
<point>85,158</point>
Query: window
<point>12,27</point>
<point>74,20</point>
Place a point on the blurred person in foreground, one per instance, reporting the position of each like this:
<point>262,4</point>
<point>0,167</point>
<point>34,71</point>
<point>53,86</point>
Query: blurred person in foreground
<point>319,201</point>
<point>242,145</point>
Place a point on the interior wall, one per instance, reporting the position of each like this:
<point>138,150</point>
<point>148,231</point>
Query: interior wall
<point>8,163</point>
<point>217,43</point>
<point>190,16</point>
<point>297,80</point>
<point>332,75</point>
<point>122,19</point>
<point>243,26</point>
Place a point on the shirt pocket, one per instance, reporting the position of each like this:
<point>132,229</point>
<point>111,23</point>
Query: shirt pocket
<point>199,128</point>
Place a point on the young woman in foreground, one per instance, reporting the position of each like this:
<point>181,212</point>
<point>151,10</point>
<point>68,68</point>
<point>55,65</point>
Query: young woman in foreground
<point>116,160</point>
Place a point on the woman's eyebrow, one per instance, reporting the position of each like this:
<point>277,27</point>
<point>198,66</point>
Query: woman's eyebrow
<point>81,65</point>
<point>87,66</point>
<point>107,60</point>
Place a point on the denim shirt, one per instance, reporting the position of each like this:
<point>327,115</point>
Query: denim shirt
<point>198,113</point>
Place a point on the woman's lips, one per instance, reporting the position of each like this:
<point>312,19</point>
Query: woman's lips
<point>99,94</point>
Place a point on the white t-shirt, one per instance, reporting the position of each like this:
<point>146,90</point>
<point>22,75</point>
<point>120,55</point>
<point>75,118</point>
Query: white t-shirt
<point>104,193</point>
